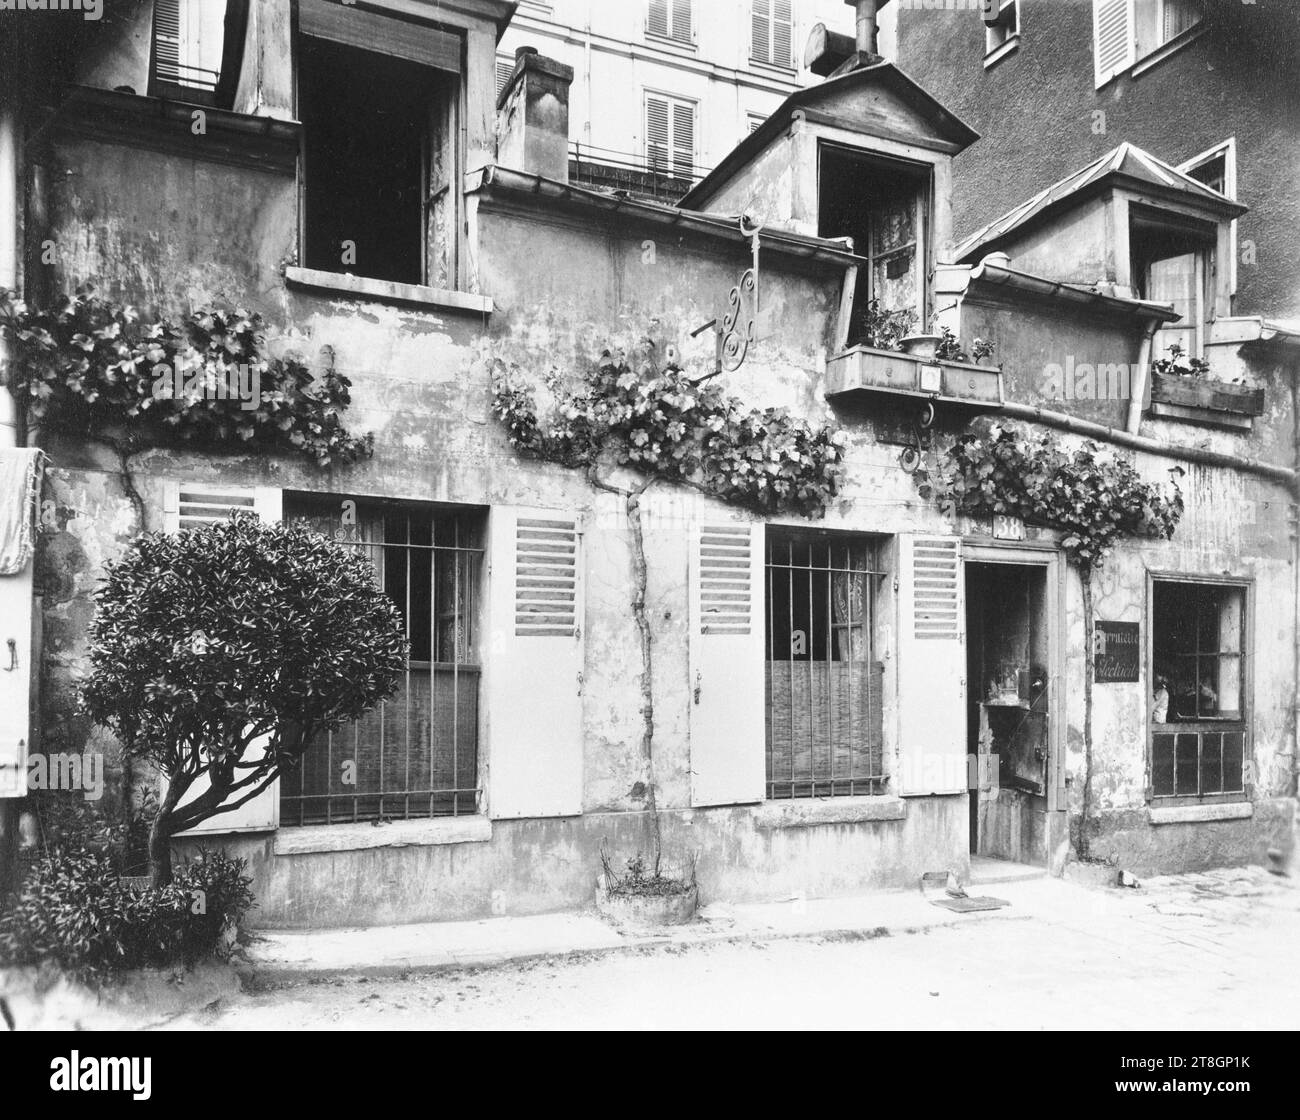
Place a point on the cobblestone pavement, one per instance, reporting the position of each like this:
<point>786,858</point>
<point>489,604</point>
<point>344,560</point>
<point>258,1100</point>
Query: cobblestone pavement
<point>1208,951</point>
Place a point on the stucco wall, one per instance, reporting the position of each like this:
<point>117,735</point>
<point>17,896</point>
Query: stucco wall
<point>1036,112</point>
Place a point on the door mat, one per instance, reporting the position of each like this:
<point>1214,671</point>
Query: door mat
<point>968,903</point>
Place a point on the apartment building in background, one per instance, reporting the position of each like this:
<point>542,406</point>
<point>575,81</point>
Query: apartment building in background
<point>663,89</point>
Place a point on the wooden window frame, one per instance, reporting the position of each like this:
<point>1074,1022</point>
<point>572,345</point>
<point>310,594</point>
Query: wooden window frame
<point>1243,725</point>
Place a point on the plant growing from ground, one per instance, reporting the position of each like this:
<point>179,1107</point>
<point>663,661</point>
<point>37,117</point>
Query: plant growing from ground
<point>210,644</point>
<point>1094,498</point>
<point>640,879</point>
<point>665,425</point>
<point>92,368</point>
<point>74,910</point>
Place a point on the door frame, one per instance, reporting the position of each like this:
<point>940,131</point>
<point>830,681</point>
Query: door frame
<point>983,550</point>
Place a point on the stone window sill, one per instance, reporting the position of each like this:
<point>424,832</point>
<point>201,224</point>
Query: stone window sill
<point>808,813</point>
<point>386,291</point>
<point>398,834</point>
<point>1177,43</point>
<point>1195,814</point>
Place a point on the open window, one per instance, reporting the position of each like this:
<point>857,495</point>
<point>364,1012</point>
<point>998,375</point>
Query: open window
<point>1217,169</point>
<point>1173,262</point>
<point>1158,23</point>
<point>1199,709</point>
<point>197,50</point>
<point>1127,32</point>
<point>883,205</point>
<point>378,98</point>
<point>824,684</point>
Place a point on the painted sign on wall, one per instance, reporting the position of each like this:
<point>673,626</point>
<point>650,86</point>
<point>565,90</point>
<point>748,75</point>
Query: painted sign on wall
<point>1115,647</point>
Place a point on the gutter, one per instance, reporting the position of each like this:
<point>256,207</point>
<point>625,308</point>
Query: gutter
<point>1286,476</point>
<point>990,271</point>
<point>829,251</point>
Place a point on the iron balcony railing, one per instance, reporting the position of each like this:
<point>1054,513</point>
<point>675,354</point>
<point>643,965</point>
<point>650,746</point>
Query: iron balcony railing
<point>663,177</point>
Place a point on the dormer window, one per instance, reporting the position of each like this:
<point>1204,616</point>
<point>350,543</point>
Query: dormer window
<point>883,204</point>
<point>1173,261</point>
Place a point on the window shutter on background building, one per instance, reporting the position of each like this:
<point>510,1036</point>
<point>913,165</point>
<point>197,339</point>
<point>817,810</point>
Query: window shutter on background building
<point>726,664</point>
<point>656,21</point>
<point>188,507</point>
<point>534,663</point>
<point>931,666</point>
<point>1113,44</point>
<point>683,138</point>
<point>772,32</point>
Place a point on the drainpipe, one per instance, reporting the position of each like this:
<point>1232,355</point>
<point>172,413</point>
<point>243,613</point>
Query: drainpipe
<point>1138,388</point>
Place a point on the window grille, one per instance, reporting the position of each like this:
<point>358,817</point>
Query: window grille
<point>416,754</point>
<point>825,733</point>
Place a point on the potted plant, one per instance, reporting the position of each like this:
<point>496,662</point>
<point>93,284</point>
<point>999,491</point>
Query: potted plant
<point>884,330</point>
<point>643,896</point>
<point>1184,381</point>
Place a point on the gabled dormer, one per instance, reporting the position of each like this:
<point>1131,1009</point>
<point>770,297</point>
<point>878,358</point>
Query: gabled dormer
<point>866,155</point>
<point>1130,224</point>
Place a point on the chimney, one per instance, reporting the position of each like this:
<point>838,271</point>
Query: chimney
<point>533,116</point>
<point>866,21</point>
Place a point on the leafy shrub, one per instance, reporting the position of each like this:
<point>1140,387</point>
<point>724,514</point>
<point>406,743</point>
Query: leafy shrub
<point>206,641</point>
<point>87,365</point>
<point>72,909</point>
<point>883,330</point>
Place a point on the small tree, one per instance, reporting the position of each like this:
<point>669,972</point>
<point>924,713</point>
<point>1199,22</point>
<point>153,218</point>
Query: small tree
<point>207,641</point>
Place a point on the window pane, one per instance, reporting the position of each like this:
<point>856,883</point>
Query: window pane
<point>1185,765</point>
<point>1234,743</point>
<point>1211,763</point>
<point>1162,765</point>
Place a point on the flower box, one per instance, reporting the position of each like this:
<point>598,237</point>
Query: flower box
<point>1203,395</point>
<point>861,369</point>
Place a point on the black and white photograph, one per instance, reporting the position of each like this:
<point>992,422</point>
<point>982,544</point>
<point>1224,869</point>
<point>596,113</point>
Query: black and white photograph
<point>651,515</point>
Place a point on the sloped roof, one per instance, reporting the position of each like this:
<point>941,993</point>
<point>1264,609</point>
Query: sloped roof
<point>1128,164</point>
<point>953,133</point>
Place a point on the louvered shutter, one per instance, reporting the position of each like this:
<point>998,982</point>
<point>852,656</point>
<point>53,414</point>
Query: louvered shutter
<point>683,139</point>
<point>656,132</point>
<point>760,49</point>
<point>17,654</point>
<point>533,671</point>
<point>782,33</point>
<point>167,40</point>
<point>1113,45</point>
<point>188,507</point>
<point>931,667</point>
<point>505,67</point>
<point>656,20</point>
<point>726,664</point>
<point>681,20</point>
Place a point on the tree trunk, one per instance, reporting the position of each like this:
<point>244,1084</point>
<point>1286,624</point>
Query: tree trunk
<point>1085,820</point>
<point>640,582</point>
<point>160,851</point>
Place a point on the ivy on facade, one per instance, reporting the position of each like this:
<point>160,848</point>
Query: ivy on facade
<point>91,366</point>
<point>668,426</point>
<point>1092,497</point>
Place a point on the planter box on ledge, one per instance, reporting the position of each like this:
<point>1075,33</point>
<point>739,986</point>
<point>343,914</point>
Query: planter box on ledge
<point>861,369</point>
<point>1201,401</point>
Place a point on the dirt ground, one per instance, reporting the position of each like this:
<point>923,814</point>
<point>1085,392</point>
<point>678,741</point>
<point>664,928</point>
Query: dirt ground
<point>1194,952</point>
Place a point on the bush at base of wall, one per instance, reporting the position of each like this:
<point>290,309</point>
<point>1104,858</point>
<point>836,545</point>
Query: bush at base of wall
<point>75,911</point>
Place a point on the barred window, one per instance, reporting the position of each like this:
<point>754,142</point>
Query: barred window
<point>824,717</point>
<point>416,754</point>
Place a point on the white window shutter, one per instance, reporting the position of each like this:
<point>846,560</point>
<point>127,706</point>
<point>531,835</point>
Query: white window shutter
<point>931,667</point>
<point>16,677</point>
<point>682,20</point>
<point>187,507</point>
<point>760,29</point>
<point>1113,38</point>
<point>727,618</point>
<point>683,138</point>
<point>782,33</point>
<point>656,132</point>
<point>656,20</point>
<point>533,671</point>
